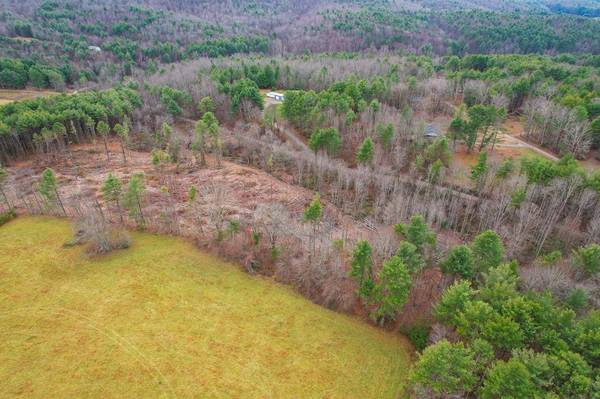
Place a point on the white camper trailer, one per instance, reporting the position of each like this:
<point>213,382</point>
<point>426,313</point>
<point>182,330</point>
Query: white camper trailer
<point>276,96</point>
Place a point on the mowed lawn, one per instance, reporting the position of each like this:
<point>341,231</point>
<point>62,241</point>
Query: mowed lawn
<point>163,320</point>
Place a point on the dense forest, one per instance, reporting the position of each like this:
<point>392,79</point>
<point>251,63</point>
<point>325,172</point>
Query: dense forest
<point>111,40</point>
<point>433,167</point>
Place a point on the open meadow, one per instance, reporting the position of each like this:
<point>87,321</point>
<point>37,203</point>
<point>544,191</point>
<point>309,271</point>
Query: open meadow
<point>8,96</point>
<point>162,319</point>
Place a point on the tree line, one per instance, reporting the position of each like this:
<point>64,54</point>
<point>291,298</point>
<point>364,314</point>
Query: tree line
<point>46,124</point>
<point>18,74</point>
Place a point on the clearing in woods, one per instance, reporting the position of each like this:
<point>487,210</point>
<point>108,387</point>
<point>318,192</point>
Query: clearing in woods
<point>8,96</point>
<point>162,319</point>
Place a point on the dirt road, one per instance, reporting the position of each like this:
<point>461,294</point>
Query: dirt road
<point>516,142</point>
<point>512,138</point>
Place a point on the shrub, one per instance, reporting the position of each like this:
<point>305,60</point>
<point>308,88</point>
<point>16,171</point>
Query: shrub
<point>418,336</point>
<point>98,235</point>
<point>551,258</point>
<point>7,217</point>
<point>588,258</point>
<point>417,232</point>
<point>577,299</point>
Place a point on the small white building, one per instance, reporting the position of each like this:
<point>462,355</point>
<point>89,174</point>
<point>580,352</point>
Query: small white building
<point>275,95</point>
<point>95,49</point>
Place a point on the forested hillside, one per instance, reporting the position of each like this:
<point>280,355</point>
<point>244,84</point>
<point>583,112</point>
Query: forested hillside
<point>430,167</point>
<point>111,39</point>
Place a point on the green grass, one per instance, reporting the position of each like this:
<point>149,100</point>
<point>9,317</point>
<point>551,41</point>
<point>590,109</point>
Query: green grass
<point>163,320</point>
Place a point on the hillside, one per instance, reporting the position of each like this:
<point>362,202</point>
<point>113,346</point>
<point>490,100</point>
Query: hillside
<point>86,41</point>
<point>164,320</point>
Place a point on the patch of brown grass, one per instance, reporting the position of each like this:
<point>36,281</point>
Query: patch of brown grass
<point>8,96</point>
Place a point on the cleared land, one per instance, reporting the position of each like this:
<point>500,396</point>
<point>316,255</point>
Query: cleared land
<point>162,319</point>
<point>8,96</point>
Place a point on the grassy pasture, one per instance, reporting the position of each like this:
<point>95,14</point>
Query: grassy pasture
<point>163,320</point>
<point>8,95</point>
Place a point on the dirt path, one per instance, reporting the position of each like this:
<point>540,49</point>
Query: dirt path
<point>270,101</point>
<point>291,136</point>
<point>519,143</point>
<point>511,138</point>
<point>285,132</point>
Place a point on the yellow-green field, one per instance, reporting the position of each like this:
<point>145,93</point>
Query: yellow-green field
<point>8,95</point>
<point>163,320</point>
